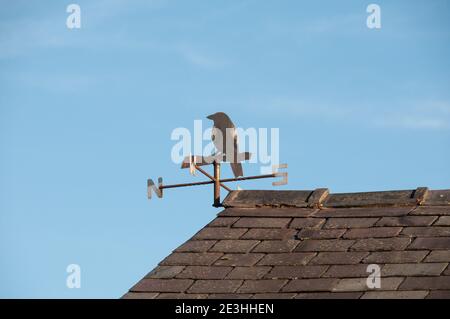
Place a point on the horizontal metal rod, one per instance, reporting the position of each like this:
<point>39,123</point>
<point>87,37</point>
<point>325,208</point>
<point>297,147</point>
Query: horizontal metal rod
<point>244,178</point>
<point>211,177</point>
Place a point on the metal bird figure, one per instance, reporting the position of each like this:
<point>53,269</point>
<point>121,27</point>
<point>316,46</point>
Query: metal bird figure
<point>224,135</point>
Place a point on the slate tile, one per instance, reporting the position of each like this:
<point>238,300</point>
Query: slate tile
<point>267,212</point>
<point>286,259</point>
<point>229,296</point>
<point>374,232</point>
<point>329,295</point>
<point>195,246</point>
<point>347,271</point>
<point>363,212</point>
<point>438,256</point>
<point>278,295</point>
<point>395,257</point>
<point>173,295</point>
<point>417,269</point>
<point>407,221</point>
<point>220,233</point>
<point>215,286</point>
<point>276,246</point>
<point>439,294</point>
<point>307,223</point>
<point>140,295</point>
<point>426,231</point>
<point>426,283</point>
<point>261,285</point>
<point>443,221</point>
<point>338,258</point>
<point>193,259</point>
<point>418,294</point>
<point>360,284</point>
<point>431,210</point>
<point>165,272</point>
<point>223,222</point>
<point>447,271</point>
<point>431,243</point>
<point>204,272</point>
<point>320,233</point>
<point>255,272</point>
<point>304,285</point>
<point>381,244</point>
<point>239,259</point>
<point>270,233</point>
<point>162,285</point>
<point>295,272</point>
<point>350,222</point>
<point>234,246</point>
<point>262,222</point>
<point>318,245</point>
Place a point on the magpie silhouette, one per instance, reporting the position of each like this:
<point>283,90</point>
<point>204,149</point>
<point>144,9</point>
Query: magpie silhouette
<point>224,135</point>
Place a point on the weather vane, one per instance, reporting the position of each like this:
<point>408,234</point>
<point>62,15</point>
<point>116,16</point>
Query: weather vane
<point>225,139</point>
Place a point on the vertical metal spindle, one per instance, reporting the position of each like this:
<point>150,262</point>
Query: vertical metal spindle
<point>216,184</point>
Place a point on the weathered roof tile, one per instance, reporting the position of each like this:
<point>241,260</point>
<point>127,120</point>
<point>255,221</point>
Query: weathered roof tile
<point>431,283</point>
<point>162,285</point>
<point>215,286</point>
<point>194,259</point>
<point>284,259</point>
<point>165,272</point>
<point>395,257</point>
<point>407,221</point>
<point>439,256</point>
<point>363,212</point>
<point>295,272</point>
<point>270,233</point>
<point>195,246</point>
<point>307,223</point>
<point>360,284</point>
<point>320,233</point>
<point>262,285</point>
<point>338,258</point>
<point>325,245</point>
<point>374,232</point>
<point>329,295</point>
<point>424,269</point>
<point>443,221</point>
<point>263,222</point>
<point>431,243</point>
<point>236,260</point>
<point>418,294</point>
<point>426,231</point>
<point>204,272</point>
<point>234,246</point>
<point>276,246</point>
<point>220,233</point>
<point>248,272</point>
<point>320,284</point>
<point>347,271</point>
<point>381,244</point>
<point>335,222</point>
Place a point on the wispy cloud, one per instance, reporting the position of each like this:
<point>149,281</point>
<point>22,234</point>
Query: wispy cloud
<point>422,115</point>
<point>26,36</point>
<point>428,115</point>
<point>200,58</point>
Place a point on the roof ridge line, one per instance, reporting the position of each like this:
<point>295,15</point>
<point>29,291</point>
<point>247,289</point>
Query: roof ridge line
<point>322,198</point>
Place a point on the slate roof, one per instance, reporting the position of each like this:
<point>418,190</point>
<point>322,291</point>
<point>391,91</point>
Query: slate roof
<point>312,244</point>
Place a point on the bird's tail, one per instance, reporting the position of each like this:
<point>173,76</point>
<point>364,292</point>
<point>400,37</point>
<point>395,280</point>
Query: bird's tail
<point>237,169</point>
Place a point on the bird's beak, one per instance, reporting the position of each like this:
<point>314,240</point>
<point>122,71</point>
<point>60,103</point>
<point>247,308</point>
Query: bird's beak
<point>210,116</point>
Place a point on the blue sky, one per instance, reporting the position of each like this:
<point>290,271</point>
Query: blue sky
<point>86,117</point>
